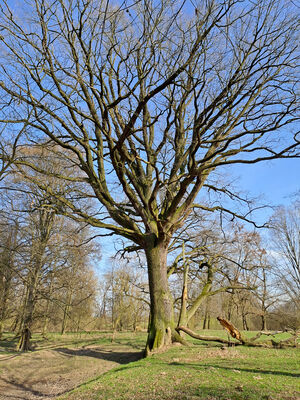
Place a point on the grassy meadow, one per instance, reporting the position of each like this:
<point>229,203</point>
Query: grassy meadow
<point>201,371</point>
<point>204,371</point>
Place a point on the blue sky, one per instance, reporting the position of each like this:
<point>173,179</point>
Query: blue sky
<point>276,181</point>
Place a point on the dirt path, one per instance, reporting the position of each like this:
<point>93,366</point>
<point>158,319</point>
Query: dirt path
<point>45,374</point>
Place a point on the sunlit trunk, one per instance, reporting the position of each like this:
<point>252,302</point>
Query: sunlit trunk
<point>161,330</point>
<point>206,321</point>
<point>182,321</point>
<point>25,334</point>
<point>263,322</point>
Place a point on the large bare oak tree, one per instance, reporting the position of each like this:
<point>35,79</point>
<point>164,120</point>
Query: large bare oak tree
<point>149,101</point>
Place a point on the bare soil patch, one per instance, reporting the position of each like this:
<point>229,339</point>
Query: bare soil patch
<point>45,374</point>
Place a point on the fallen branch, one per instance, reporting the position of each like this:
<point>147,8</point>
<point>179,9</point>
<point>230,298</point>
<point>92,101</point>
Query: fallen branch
<point>241,340</point>
<point>204,337</point>
<point>235,333</point>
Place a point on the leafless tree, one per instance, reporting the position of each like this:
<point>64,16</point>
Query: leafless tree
<point>218,260</point>
<point>8,247</point>
<point>150,101</point>
<point>285,225</point>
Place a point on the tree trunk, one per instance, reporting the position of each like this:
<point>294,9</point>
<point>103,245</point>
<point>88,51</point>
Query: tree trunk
<point>64,320</point>
<point>46,320</point>
<point>182,321</point>
<point>206,321</point>
<point>230,306</point>
<point>24,342</point>
<point>36,265</point>
<point>4,301</point>
<point>245,323</point>
<point>25,335</point>
<point>78,324</point>
<point>205,293</point>
<point>29,306</point>
<point>161,330</point>
<point>6,269</point>
<point>263,322</point>
<point>66,311</point>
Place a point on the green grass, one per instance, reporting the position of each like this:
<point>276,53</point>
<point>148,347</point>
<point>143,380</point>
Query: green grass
<point>202,371</point>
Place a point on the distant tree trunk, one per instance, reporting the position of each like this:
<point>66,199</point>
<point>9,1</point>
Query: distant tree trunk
<point>264,300</point>
<point>6,274</point>
<point>64,320</point>
<point>206,321</point>
<point>18,321</point>
<point>78,324</point>
<point>245,323</point>
<point>182,321</point>
<point>25,334</point>
<point>230,306</point>
<point>15,324</point>
<point>4,300</point>
<point>66,312</point>
<point>263,322</point>
<point>30,299</point>
<point>203,295</point>
<point>46,320</point>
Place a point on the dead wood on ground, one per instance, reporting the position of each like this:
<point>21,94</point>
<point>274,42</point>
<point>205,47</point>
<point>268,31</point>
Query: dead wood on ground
<point>242,340</point>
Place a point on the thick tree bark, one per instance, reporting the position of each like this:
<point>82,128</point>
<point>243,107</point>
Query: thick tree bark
<point>161,330</point>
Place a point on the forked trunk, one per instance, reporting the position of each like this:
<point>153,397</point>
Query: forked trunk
<point>161,330</point>
<point>24,342</point>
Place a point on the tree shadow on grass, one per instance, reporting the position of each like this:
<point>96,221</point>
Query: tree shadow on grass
<point>23,389</point>
<point>120,357</point>
<point>252,370</point>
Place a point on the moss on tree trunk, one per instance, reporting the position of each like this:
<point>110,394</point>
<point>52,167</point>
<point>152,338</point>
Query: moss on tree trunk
<point>161,332</point>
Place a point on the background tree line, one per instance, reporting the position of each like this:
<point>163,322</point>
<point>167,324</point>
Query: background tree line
<point>47,279</point>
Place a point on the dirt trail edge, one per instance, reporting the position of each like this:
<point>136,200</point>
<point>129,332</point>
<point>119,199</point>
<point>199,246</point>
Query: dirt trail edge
<point>46,374</point>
